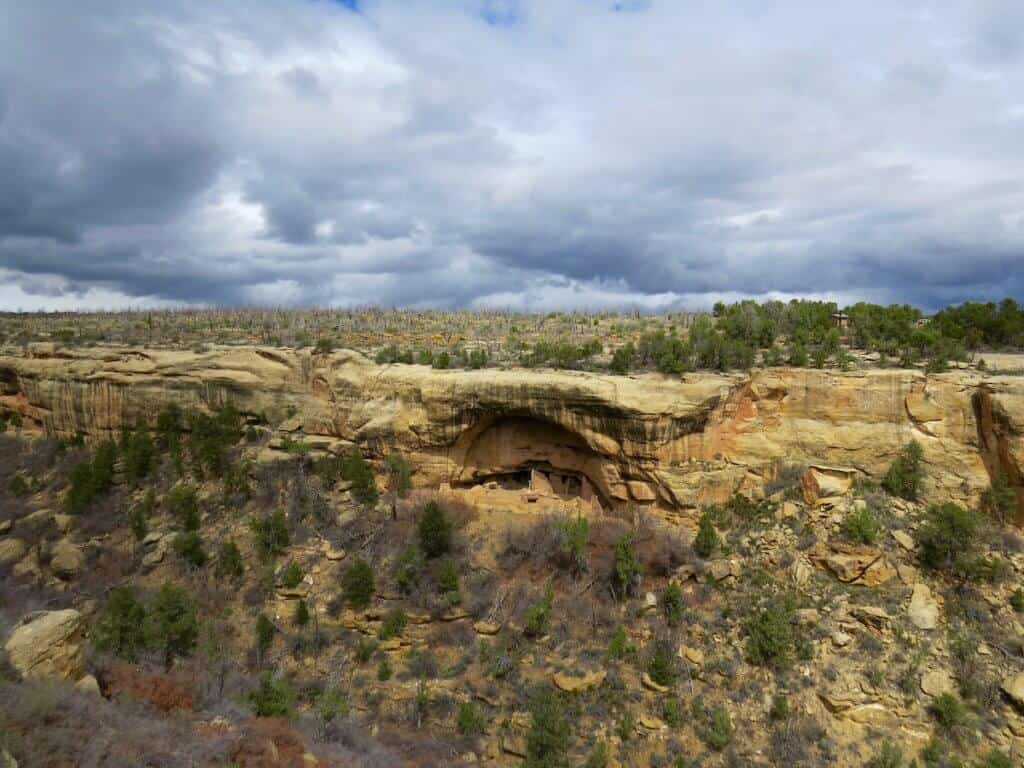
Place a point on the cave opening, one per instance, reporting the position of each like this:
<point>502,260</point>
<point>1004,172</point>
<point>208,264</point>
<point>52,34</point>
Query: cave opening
<point>538,459</point>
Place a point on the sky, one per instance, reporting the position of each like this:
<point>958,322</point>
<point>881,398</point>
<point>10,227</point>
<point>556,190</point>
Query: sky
<point>520,154</point>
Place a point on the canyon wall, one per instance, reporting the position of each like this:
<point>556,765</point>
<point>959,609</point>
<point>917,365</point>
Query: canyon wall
<point>670,442</point>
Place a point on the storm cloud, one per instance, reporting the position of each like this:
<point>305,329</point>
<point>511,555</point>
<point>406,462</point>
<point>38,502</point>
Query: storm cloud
<point>509,153</point>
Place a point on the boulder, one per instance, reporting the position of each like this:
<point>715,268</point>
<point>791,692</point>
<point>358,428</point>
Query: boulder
<point>852,563</point>
<point>47,644</point>
<point>486,627</point>
<point>575,684</point>
<point>923,610</point>
<point>12,550</point>
<point>1013,687</point>
<point>904,539</point>
<point>89,684</point>
<point>820,482</point>
<point>651,685</point>
<point>66,560</point>
<point>936,682</point>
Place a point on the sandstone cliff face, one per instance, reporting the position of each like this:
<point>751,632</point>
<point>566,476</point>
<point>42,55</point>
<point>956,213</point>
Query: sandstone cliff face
<point>669,442</point>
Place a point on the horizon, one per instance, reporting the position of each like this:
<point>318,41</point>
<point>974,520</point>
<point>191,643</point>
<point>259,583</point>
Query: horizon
<point>509,155</point>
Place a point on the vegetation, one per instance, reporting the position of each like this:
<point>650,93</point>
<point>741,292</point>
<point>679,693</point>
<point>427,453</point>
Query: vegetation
<point>905,473</point>
<point>189,547</point>
<point>628,568</point>
<point>229,561</point>
<point>273,698</point>
<point>469,721</point>
<point>119,629</point>
<point>769,634</point>
<point>357,583</point>
<point>547,742</point>
<point>270,533</point>
<point>435,531</point>
<point>392,625</point>
<point>355,470</point>
<point>538,616</point>
<point>862,526</point>
<point>171,625</point>
<point>89,480</point>
<point>947,537</point>
<point>672,604</point>
<point>706,541</point>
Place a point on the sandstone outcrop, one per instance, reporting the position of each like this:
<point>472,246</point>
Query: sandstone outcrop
<point>48,645</point>
<point>673,443</point>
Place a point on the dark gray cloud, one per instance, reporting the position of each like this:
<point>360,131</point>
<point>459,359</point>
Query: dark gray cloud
<point>524,153</point>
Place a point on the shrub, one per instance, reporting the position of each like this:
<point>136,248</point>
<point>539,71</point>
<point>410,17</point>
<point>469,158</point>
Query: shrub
<point>357,471</point>
<point>384,670</point>
<point>779,709</point>
<point>672,712</point>
<point>119,629</point>
<point>623,359</point>
<point>408,570</point>
<point>999,500</point>
<point>862,526</point>
<point>19,486</point>
<point>399,480</point>
<point>574,534</point>
<point>330,705</point>
<point>598,757</point>
<point>229,561</point>
<point>770,636</point>
<point>189,547</point>
<point>947,536</point>
<point>1017,600</point>
<point>357,583</point>
<point>365,648</point>
<point>434,531</point>
<point>264,635</point>
<point>469,721</point>
<point>183,503</point>
<point>301,616</point>
<point>270,533</point>
<point>171,624</point>
<point>538,615</point>
<point>628,569</point>
<point>905,473</point>
<point>422,664</point>
<point>91,479</point>
<point>448,578</point>
<point>717,729</point>
<point>138,521</point>
<point>210,436</point>
<point>292,575</point>
<point>706,541</point>
<point>392,625</point>
<point>137,453</point>
<point>661,664</point>
<point>953,717</point>
<point>547,741</point>
<point>996,759</point>
<point>672,604</point>
<point>889,756</point>
<point>273,697</point>
<point>618,646</point>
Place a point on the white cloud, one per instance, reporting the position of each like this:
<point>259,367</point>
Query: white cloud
<point>534,153</point>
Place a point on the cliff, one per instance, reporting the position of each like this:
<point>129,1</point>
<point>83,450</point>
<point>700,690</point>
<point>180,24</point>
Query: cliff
<point>673,443</point>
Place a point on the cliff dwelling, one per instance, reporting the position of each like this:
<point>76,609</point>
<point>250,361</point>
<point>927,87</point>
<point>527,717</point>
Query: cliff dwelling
<point>528,464</point>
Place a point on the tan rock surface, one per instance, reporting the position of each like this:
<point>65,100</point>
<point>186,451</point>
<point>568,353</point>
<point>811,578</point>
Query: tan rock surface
<point>683,441</point>
<point>47,644</point>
